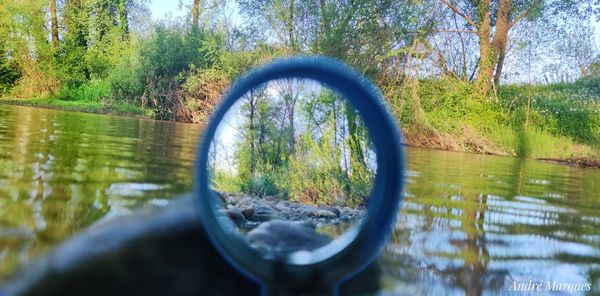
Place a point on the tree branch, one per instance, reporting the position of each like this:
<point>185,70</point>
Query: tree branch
<point>523,14</point>
<point>457,11</point>
<point>442,31</point>
<point>456,31</point>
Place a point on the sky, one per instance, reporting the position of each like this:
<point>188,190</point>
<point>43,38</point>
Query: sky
<point>160,8</point>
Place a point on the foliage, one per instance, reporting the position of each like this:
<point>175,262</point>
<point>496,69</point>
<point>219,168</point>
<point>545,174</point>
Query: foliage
<point>9,73</point>
<point>225,182</point>
<point>94,90</point>
<point>291,141</point>
<point>314,174</point>
<point>569,110</point>
<point>126,82</point>
<point>82,106</point>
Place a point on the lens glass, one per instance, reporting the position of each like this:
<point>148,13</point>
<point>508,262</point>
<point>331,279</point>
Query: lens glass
<point>292,167</point>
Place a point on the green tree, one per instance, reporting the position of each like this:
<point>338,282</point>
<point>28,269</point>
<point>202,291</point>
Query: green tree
<point>74,70</point>
<point>123,19</point>
<point>54,23</point>
<point>493,20</point>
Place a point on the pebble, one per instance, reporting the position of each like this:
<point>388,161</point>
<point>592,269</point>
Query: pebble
<point>326,214</point>
<point>246,211</point>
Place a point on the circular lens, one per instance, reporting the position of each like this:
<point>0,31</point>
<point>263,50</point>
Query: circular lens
<point>300,172</point>
<point>292,167</point>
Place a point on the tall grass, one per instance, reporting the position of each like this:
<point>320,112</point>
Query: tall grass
<point>550,121</point>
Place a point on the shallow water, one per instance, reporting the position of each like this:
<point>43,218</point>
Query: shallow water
<point>470,224</point>
<point>476,224</point>
<point>61,172</point>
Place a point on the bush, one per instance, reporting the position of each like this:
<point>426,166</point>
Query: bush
<point>126,83</point>
<point>9,74</point>
<point>567,110</point>
<point>315,176</point>
<point>224,182</point>
<point>266,184</point>
<point>94,90</point>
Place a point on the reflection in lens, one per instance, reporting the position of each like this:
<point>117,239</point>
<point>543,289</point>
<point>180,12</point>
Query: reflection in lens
<point>292,166</point>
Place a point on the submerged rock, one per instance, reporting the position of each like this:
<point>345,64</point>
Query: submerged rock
<point>161,251</point>
<point>262,212</point>
<point>326,214</point>
<point>279,238</point>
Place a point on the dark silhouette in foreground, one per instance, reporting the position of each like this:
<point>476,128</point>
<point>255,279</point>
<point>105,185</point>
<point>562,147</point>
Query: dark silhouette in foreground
<point>153,252</point>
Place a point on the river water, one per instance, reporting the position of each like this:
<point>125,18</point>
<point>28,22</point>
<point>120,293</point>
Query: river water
<point>469,224</point>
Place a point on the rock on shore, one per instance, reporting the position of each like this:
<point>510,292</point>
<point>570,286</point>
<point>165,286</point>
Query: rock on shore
<point>247,211</point>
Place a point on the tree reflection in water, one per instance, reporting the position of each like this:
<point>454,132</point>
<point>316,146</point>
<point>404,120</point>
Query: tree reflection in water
<point>63,171</point>
<point>473,224</point>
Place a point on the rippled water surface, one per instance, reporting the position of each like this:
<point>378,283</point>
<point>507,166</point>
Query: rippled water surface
<point>476,224</point>
<point>469,224</point>
<point>61,172</point>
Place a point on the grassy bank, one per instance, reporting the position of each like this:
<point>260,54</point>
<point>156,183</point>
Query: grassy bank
<point>556,122</point>
<point>120,109</point>
<point>559,122</point>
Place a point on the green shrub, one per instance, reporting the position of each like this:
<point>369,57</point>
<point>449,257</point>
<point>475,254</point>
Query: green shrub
<point>91,91</point>
<point>567,110</point>
<point>9,73</point>
<point>266,184</point>
<point>224,182</point>
<point>126,83</point>
<point>315,175</point>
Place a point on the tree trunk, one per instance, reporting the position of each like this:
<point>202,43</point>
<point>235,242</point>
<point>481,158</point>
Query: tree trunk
<point>123,21</point>
<point>293,44</point>
<point>335,129</point>
<point>501,36</point>
<point>252,104</point>
<point>54,23</point>
<point>356,151</point>
<point>279,141</point>
<point>292,129</point>
<point>487,54</point>
<point>195,14</point>
<point>499,66</point>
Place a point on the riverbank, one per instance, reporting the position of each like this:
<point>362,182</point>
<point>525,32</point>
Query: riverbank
<point>575,161</point>
<point>549,148</point>
<point>559,122</point>
<point>502,140</point>
<point>95,107</point>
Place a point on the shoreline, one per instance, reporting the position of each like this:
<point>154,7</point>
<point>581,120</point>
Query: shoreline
<point>573,161</point>
<point>129,110</point>
<point>123,109</point>
<point>580,162</point>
